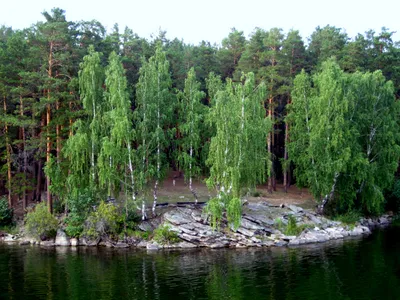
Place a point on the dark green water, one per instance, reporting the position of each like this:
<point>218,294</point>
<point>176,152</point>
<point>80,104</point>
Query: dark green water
<point>367,268</point>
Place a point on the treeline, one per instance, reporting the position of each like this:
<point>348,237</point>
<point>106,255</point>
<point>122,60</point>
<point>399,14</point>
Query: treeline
<point>112,112</point>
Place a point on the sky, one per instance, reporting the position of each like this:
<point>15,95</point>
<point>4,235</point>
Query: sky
<point>212,20</point>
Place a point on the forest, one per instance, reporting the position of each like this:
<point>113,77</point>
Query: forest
<point>88,115</point>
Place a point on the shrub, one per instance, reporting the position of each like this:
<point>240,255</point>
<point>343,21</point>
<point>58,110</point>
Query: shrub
<point>104,221</point>
<point>40,223</point>
<point>234,212</point>
<point>214,209</point>
<point>292,228</point>
<point>349,218</point>
<point>78,206</point>
<point>164,235</point>
<point>6,213</point>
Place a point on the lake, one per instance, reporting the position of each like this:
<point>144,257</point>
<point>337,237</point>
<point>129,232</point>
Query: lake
<point>361,268</point>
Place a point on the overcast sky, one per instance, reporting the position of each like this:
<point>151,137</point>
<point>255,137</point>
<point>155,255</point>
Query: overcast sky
<point>211,20</point>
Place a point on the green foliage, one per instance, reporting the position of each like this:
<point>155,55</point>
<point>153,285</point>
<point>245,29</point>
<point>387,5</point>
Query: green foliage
<point>396,221</point>
<point>142,235</point>
<point>292,228</point>
<point>6,213</point>
<point>237,156</point>
<point>155,104</point>
<point>79,205</point>
<point>344,147</point>
<point>214,209</point>
<point>279,224</point>
<point>40,223</point>
<point>164,235</point>
<point>234,212</point>
<point>105,220</point>
<point>349,218</point>
<point>191,114</point>
<point>10,229</point>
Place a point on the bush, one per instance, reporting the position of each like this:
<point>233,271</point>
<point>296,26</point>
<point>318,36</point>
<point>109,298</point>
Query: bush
<point>214,209</point>
<point>104,221</point>
<point>349,218</point>
<point>78,206</point>
<point>6,213</point>
<point>164,235</point>
<point>40,223</point>
<point>292,228</point>
<point>234,212</point>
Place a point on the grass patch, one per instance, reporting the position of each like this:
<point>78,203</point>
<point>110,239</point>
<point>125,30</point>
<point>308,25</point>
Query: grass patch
<point>164,235</point>
<point>349,218</point>
<point>10,229</point>
<point>292,228</point>
<point>396,221</point>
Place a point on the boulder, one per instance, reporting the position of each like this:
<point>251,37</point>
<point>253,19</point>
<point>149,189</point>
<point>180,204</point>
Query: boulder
<point>47,243</point>
<point>62,239</point>
<point>245,232</point>
<point>295,208</point>
<point>121,245</point>
<point>152,246</point>
<point>74,242</point>
<point>10,238</point>
<point>176,217</point>
<point>186,245</point>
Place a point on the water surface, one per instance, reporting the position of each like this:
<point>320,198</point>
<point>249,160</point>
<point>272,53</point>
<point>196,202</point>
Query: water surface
<point>363,268</point>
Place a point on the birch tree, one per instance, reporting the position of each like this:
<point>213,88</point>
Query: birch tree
<point>238,157</point>
<point>343,124</point>
<point>191,113</point>
<point>83,146</point>
<point>154,104</point>
<point>116,155</point>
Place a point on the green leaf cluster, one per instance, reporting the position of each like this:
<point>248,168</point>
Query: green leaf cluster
<point>345,136</point>
<point>40,223</point>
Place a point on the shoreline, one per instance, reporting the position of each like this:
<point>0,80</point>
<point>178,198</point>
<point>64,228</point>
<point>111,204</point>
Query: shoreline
<point>262,226</point>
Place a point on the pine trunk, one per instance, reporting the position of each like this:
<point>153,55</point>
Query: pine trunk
<point>48,119</point>
<point>269,146</point>
<point>285,157</point>
<point>8,157</point>
<point>48,152</point>
<point>25,165</point>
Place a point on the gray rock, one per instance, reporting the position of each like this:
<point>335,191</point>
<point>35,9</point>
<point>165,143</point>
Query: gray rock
<point>24,243</point>
<point>383,220</point>
<point>62,239</point>
<point>295,208</point>
<point>176,217</point>
<point>314,219</point>
<point>245,232</point>
<point>247,224</point>
<point>288,238</point>
<point>216,245</point>
<point>142,244</point>
<point>121,245</point>
<point>47,244</point>
<point>10,238</point>
<point>151,246</point>
<point>189,238</point>
<point>185,244</point>
<point>280,243</point>
<point>145,226</point>
<point>74,242</point>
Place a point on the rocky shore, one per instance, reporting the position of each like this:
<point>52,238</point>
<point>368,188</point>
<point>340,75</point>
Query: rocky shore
<point>262,226</point>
